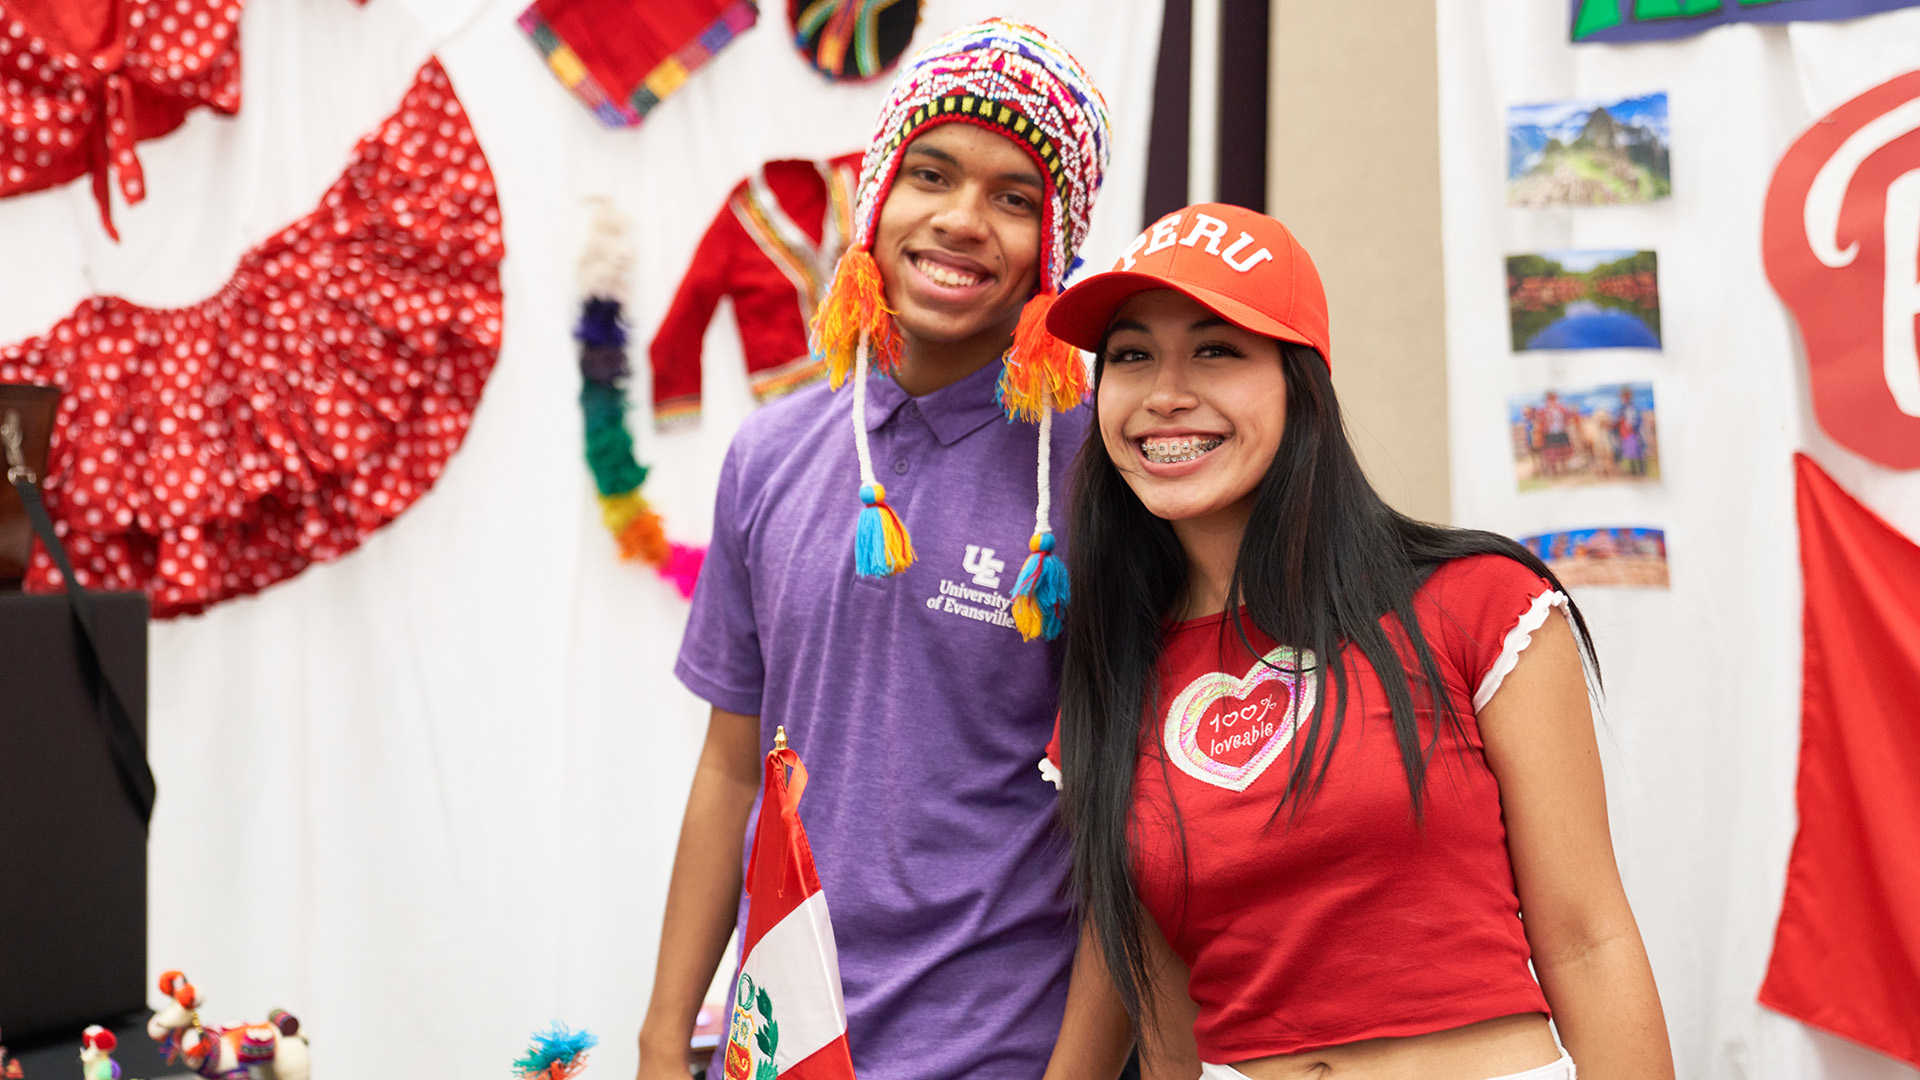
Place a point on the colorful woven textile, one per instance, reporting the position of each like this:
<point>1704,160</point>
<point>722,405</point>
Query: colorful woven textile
<point>209,451</point>
<point>622,57</point>
<point>852,39</point>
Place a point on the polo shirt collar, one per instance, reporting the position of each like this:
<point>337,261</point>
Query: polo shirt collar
<point>953,412</point>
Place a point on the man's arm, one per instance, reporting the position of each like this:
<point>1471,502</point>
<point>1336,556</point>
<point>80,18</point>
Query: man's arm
<point>1095,1033</point>
<point>704,893</point>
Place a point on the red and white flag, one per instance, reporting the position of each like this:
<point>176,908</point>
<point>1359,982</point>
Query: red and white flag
<point>1846,953</point>
<point>789,1019</point>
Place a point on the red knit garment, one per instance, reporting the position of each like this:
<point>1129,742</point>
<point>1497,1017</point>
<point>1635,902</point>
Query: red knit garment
<point>209,451</point>
<point>1346,921</point>
<point>771,250</point>
<point>81,81</point>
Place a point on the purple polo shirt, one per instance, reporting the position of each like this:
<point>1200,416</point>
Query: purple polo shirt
<point>916,707</point>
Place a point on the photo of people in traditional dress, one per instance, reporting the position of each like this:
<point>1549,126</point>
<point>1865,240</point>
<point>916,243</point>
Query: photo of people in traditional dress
<point>1588,153</point>
<point>1584,300</point>
<point>1604,434</point>
<point>1621,555</point>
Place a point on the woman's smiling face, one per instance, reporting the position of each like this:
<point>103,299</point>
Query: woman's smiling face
<point>1191,406</point>
<point>958,239</point>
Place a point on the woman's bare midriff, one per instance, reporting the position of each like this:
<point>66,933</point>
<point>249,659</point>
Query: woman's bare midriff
<point>1490,1048</point>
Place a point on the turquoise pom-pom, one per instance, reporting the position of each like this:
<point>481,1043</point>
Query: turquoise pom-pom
<point>1043,579</point>
<point>870,541</point>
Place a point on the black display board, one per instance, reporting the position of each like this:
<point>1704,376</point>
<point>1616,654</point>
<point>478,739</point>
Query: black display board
<point>73,850</point>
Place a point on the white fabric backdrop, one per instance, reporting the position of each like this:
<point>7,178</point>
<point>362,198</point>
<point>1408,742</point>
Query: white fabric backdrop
<point>1701,724</point>
<point>427,797</point>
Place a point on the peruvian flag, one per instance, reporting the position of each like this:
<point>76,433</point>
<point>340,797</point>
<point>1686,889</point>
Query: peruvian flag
<point>789,1019</point>
<point>1846,952</point>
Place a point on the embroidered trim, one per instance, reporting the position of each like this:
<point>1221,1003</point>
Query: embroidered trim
<point>1050,773</point>
<point>676,413</point>
<point>666,77</point>
<point>775,382</point>
<point>1517,640</point>
<point>809,267</point>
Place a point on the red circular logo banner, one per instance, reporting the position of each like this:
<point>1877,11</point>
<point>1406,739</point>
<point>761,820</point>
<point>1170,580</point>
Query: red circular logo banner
<point>1841,242</point>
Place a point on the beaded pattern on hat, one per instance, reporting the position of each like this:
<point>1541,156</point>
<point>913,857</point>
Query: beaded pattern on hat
<point>1013,79</point>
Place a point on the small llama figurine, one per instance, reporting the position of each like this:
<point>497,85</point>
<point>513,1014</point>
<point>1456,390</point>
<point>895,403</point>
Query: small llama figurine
<point>274,1050</point>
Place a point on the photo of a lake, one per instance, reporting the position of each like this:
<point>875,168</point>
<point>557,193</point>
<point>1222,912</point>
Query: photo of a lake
<point>1584,300</point>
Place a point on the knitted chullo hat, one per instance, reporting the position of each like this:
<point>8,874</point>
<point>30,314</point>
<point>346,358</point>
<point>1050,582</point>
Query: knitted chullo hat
<point>1014,81</point>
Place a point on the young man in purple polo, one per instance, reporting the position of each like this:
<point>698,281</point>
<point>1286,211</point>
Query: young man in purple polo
<point>885,632</point>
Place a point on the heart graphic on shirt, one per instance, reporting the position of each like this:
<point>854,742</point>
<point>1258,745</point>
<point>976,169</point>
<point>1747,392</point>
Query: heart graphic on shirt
<point>1225,730</point>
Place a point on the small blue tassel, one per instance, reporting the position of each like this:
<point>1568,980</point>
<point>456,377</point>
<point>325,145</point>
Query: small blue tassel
<point>1041,592</point>
<point>880,544</point>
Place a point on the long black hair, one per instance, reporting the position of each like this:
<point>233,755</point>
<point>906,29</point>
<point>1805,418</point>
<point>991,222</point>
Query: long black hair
<point>1323,561</point>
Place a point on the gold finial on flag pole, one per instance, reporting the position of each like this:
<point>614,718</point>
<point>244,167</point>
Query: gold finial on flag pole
<point>780,737</point>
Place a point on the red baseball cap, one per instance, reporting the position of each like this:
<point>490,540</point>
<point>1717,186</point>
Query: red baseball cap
<point>1243,265</point>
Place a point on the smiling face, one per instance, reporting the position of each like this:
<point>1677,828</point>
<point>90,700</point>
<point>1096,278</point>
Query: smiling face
<point>958,238</point>
<point>1191,407</point>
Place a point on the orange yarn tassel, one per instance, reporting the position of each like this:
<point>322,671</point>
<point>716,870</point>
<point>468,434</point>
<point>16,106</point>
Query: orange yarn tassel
<point>636,528</point>
<point>645,539</point>
<point>1040,365</point>
<point>856,303</point>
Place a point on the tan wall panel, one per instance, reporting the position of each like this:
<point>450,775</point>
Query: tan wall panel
<point>1354,170</point>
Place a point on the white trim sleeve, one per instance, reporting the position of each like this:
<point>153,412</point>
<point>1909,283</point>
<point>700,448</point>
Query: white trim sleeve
<point>1517,640</point>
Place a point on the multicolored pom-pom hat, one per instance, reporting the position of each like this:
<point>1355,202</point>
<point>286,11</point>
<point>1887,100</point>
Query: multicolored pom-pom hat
<point>1015,81</point>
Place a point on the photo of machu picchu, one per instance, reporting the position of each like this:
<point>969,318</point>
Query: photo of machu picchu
<point>1588,153</point>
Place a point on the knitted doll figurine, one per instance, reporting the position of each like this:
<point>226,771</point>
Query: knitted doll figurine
<point>274,1050</point>
<point>96,1054</point>
<point>1013,80</point>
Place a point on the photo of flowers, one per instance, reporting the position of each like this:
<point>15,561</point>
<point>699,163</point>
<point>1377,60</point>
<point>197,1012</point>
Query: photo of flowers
<point>1588,153</point>
<point>1611,556</point>
<point>1603,434</point>
<point>1584,300</point>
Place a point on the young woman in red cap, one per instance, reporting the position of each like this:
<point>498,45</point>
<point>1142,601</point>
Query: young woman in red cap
<point>1317,757</point>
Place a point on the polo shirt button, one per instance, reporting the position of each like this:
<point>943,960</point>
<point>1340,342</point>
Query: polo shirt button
<point>900,467</point>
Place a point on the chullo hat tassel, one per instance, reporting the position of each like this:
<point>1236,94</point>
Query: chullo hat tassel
<point>1041,592</point>
<point>881,546</point>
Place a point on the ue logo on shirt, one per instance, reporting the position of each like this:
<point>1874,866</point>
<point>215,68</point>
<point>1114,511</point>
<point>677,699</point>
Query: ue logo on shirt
<point>981,600</point>
<point>983,566</point>
<point>1841,241</point>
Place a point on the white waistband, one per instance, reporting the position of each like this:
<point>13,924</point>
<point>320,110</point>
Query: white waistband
<point>1561,1069</point>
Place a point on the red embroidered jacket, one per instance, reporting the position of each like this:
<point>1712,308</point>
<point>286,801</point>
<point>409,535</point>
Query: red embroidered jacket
<point>772,250</point>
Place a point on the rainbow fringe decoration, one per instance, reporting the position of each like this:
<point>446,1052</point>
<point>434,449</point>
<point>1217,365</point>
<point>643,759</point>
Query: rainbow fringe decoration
<point>555,1054</point>
<point>617,474</point>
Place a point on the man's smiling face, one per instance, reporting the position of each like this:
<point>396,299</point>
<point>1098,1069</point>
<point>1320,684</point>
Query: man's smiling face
<point>958,240</point>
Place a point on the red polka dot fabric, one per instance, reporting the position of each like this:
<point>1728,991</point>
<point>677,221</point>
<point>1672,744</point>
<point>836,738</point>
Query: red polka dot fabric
<point>82,80</point>
<point>209,451</point>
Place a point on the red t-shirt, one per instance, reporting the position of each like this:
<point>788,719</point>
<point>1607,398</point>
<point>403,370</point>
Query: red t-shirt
<point>1345,921</point>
